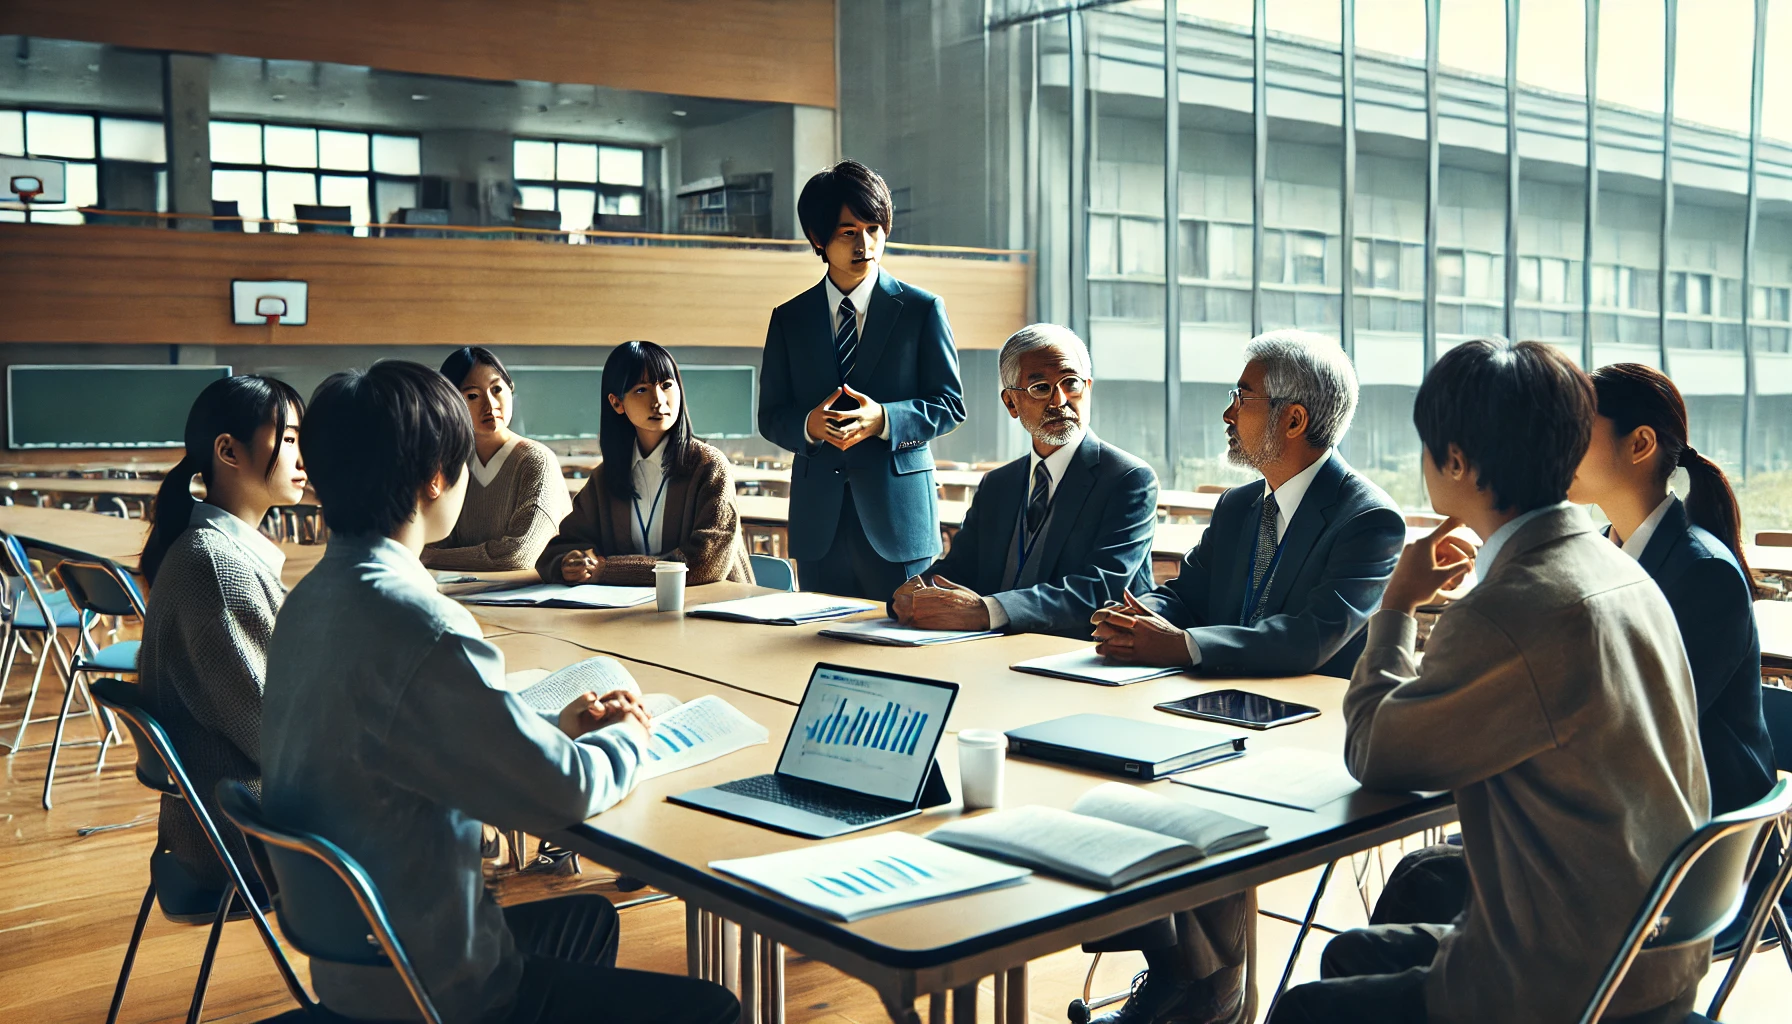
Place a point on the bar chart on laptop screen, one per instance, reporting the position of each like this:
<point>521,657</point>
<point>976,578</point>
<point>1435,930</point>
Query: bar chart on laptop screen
<point>889,726</point>
<point>867,732</point>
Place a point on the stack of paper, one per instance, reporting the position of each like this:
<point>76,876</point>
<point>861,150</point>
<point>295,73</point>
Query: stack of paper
<point>1286,776</point>
<point>555,595</point>
<point>783,609</point>
<point>889,634</point>
<point>1085,666</point>
<point>860,877</point>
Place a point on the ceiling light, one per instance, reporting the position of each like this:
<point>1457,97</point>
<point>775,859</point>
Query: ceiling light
<point>419,96</point>
<point>678,113</point>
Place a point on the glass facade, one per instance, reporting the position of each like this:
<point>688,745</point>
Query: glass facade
<point>1613,178</point>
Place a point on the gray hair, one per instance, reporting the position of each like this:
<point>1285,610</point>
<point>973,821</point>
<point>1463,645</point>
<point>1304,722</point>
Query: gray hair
<point>1034,337</point>
<point>1300,367</point>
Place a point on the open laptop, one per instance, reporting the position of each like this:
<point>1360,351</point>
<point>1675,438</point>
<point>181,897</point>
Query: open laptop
<point>858,755</point>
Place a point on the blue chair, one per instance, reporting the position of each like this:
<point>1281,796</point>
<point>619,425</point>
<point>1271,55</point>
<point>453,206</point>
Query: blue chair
<point>95,589</point>
<point>181,897</point>
<point>33,611</point>
<point>340,903</point>
<point>772,572</point>
<point>1697,892</point>
<point>1776,707</point>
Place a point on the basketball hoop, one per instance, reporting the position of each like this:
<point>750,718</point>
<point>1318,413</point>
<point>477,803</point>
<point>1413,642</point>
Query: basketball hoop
<point>26,186</point>
<point>270,308</point>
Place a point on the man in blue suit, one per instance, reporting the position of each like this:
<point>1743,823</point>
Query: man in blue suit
<point>1055,534</point>
<point>859,375</point>
<point>1281,584</point>
<point>1288,570</point>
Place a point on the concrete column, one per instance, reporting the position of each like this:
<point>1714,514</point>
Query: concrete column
<point>186,117</point>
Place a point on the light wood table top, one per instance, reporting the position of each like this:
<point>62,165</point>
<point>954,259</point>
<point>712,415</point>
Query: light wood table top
<point>72,533</point>
<point>138,488</point>
<point>1769,558</point>
<point>1774,620</point>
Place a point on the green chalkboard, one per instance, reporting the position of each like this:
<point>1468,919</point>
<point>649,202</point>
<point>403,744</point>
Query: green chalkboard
<point>141,406</point>
<point>561,403</point>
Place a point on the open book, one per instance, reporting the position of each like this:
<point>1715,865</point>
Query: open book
<point>683,735</point>
<point>556,595</point>
<point>1115,835</point>
<point>888,633</point>
<point>783,609</point>
<point>860,877</point>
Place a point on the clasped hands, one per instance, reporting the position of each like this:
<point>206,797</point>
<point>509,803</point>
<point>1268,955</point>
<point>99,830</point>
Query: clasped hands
<point>844,428</point>
<point>589,712</point>
<point>581,566</point>
<point>941,605</point>
<point>1132,633</point>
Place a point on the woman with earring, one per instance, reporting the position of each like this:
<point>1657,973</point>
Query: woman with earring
<point>660,493</point>
<point>517,495</point>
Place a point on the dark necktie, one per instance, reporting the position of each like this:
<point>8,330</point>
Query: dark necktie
<point>1041,501</point>
<point>846,339</point>
<point>1266,553</point>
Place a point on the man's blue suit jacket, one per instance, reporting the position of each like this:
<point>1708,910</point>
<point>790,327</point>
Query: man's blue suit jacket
<point>1097,544</point>
<point>1337,555</point>
<point>1713,602</point>
<point>907,363</point>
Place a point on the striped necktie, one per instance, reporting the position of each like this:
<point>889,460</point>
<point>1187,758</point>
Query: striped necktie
<point>1041,501</point>
<point>846,339</point>
<point>1266,553</point>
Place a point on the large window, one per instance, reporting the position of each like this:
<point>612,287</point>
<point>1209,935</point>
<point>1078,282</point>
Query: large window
<point>589,184</point>
<point>269,169</point>
<point>117,163</point>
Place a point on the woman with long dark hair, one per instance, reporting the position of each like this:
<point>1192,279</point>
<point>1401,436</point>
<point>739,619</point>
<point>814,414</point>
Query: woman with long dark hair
<point>660,494</point>
<point>214,591</point>
<point>516,495</point>
<point>1693,550</point>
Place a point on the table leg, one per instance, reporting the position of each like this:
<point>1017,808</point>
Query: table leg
<point>901,1014</point>
<point>731,962</point>
<point>715,928</point>
<point>771,977</point>
<point>936,1008</point>
<point>1011,1006</point>
<point>964,1004</point>
<point>752,979</point>
<point>693,941</point>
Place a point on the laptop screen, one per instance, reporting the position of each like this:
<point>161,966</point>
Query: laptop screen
<point>867,731</point>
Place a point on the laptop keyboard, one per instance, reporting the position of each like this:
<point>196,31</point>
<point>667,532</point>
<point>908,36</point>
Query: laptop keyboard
<point>814,799</point>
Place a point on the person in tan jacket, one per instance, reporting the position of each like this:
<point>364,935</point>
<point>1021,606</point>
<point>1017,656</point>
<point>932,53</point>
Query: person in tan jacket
<point>672,500</point>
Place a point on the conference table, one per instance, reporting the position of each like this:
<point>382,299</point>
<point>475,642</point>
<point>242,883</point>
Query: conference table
<point>944,947</point>
<point>72,533</point>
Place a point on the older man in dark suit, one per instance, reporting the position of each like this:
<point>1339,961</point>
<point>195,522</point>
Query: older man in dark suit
<point>1058,532</point>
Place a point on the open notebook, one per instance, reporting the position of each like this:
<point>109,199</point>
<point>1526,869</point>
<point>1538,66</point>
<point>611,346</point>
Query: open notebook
<point>1114,835</point>
<point>557,595</point>
<point>683,735</point>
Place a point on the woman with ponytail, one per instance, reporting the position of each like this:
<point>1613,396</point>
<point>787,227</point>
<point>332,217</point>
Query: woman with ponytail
<point>214,590</point>
<point>1693,550</point>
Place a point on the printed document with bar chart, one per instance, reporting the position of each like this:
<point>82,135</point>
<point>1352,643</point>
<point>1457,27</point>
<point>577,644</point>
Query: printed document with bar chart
<point>860,877</point>
<point>692,733</point>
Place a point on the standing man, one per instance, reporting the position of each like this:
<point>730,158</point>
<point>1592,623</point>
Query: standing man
<point>859,374</point>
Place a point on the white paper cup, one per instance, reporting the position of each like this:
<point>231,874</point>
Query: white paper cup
<point>981,753</point>
<point>668,585</point>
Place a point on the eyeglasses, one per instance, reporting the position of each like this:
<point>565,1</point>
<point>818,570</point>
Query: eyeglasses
<point>1238,395</point>
<point>1040,390</point>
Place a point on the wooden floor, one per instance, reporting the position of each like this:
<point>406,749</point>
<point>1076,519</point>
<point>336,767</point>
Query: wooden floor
<point>67,903</point>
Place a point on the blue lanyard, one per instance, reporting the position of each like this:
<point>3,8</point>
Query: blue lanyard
<point>1256,593</point>
<point>652,510</point>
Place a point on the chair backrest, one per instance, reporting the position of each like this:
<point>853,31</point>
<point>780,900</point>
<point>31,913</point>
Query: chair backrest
<point>227,208</point>
<point>330,880</point>
<point>101,587</point>
<point>340,214</point>
<point>1776,707</point>
<point>772,572</point>
<point>1697,892</point>
<point>17,564</point>
<point>1774,539</point>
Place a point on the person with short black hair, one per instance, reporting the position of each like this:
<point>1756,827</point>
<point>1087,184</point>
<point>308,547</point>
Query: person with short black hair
<point>389,731</point>
<point>674,502</point>
<point>517,495</point>
<point>859,375</point>
<point>1554,700</point>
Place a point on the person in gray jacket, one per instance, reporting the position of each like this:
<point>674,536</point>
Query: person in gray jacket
<point>388,731</point>
<point>1554,700</point>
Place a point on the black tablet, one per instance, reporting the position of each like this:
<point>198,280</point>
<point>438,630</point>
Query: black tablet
<point>1240,708</point>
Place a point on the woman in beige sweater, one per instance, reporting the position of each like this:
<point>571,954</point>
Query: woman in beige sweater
<point>516,496</point>
<point>660,494</point>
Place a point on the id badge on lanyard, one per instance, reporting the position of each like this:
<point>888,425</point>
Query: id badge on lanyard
<point>652,510</point>
<point>1261,590</point>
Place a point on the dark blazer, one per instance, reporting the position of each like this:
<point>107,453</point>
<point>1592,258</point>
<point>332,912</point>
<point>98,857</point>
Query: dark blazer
<point>1337,555</point>
<point>906,362</point>
<point>1713,604</point>
<point>1098,543</point>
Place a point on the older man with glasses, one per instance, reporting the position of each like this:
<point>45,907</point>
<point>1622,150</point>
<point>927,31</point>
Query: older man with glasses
<point>1055,534</point>
<point>1281,584</point>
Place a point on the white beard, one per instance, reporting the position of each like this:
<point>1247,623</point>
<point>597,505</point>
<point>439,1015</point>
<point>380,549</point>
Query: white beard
<point>1057,432</point>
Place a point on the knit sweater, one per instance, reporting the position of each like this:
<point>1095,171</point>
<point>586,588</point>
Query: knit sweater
<point>505,522</point>
<point>700,528</point>
<point>201,668</point>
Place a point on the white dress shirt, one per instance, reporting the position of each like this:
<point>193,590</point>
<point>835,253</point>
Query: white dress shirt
<point>861,307</point>
<point>246,537</point>
<point>1288,499</point>
<point>646,522</point>
<point>485,472</point>
<point>1055,465</point>
<point>1636,542</point>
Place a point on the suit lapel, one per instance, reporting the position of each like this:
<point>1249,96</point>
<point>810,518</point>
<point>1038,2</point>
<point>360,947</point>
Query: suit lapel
<point>1004,514</point>
<point>1237,579</point>
<point>885,308</point>
<point>1073,492</point>
<point>1304,530</point>
<point>1667,533</point>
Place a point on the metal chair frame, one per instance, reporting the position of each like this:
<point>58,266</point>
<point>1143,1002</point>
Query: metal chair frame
<point>119,697</point>
<point>243,810</point>
<point>85,649</point>
<point>14,563</point>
